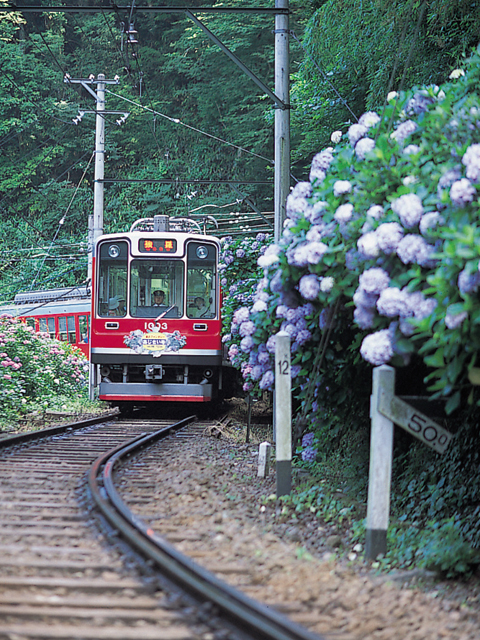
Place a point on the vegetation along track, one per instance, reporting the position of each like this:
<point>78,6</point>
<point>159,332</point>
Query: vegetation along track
<point>61,577</point>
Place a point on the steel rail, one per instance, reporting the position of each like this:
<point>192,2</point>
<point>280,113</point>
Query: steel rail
<point>255,620</point>
<point>19,438</point>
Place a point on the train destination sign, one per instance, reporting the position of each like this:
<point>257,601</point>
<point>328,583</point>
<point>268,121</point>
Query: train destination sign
<point>157,245</point>
<point>415,422</point>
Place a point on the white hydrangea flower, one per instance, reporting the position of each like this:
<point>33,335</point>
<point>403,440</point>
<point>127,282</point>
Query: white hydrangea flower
<point>336,137</point>
<point>456,73</point>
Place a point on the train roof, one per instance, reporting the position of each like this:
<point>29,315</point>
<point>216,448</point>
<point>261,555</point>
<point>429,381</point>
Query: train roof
<point>57,307</point>
<point>52,295</point>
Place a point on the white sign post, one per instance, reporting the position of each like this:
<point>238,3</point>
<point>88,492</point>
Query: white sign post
<point>380,474</point>
<point>283,413</point>
<point>385,410</point>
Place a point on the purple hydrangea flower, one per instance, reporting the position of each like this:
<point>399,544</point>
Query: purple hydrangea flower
<point>308,439</point>
<point>355,132</point>
<point>247,386</point>
<point>290,328</point>
<point>369,119</point>
<point>326,284</point>
<point>263,357</point>
<point>247,328</point>
<point>315,233</point>
<point>364,317</point>
<point>309,286</point>
<point>344,213</point>
<point>421,307</point>
<point>367,245</point>
<point>388,237</point>
<point>298,256</point>
<point>454,321</point>
<point>429,221</point>
<point>374,280</point>
<point>468,282</point>
<point>295,370</point>
<point>266,383</point>
<point>259,306</point>
<point>260,237</point>
<point>462,192</point>
<point>364,146</point>
<point>303,336</point>
<point>281,311</point>
<point>293,315</point>
<point>315,251</point>
<point>341,187</point>
<point>271,344</point>
<point>321,162</point>
<point>411,149</point>
<point>404,130</point>
<point>257,372</point>
<point>413,249</point>
<point>449,178</point>
<point>363,299</point>
<point>241,315</point>
<point>393,302</point>
<point>377,348</point>
<point>309,454</point>
<point>471,159</point>
<point>233,351</point>
<point>297,202</point>
<point>247,344</point>
<point>376,211</point>
<point>409,209</point>
<point>316,212</point>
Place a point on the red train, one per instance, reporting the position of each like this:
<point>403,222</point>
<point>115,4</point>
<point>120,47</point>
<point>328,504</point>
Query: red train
<point>62,313</point>
<point>156,323</point>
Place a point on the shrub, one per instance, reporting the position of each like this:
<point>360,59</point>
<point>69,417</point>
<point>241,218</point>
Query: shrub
<point>36,370</point>
<point>379,258</point>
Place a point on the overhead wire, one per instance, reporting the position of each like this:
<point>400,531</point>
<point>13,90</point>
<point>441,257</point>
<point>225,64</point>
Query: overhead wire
<point>62,220</point>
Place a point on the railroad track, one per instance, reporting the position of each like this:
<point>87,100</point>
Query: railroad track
<point>60,578</point>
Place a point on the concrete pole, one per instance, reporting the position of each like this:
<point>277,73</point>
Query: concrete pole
<point>99,160</point>
<point>282,119</point>
<point>380,474</point>
<point>283,413</point>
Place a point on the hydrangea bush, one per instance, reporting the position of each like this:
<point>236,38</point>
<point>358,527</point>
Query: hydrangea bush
<point>36,371</point>
<point>379,258</point>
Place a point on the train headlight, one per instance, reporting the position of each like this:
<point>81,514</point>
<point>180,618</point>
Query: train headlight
<point>202,252</point>
<point>113,251</point>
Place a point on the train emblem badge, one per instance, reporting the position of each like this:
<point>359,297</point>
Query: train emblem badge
<point>154,342</point>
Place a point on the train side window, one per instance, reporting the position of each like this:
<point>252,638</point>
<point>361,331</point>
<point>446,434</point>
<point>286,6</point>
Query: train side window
<point>201,280</point>
<point>112,261</point>
<point>51,327</point>
<point>72,334</point>
<point>30,322</point>
<point>42,325</point>
<point>83,329</point>
<point>62,328</point>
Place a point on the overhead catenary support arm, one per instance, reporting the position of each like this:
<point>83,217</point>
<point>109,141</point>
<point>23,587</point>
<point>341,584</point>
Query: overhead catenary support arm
<point>236,60</point>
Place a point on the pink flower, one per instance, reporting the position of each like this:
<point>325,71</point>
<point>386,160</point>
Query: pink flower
<point>7,376</point>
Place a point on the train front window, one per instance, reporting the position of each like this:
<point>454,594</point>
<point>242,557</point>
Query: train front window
<point>157,288</point>
<point>201,280</point>
<point>112,266</point>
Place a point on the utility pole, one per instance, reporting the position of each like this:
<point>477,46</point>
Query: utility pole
<point>95,221</point>
<point>282,118</point>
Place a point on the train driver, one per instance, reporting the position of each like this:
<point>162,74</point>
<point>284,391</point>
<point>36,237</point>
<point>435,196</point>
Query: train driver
<point>158,298</point>
<point>113,305</point>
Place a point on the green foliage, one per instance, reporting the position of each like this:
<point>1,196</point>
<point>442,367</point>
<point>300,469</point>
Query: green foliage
<point>357,51</point>
<point>36,371</point>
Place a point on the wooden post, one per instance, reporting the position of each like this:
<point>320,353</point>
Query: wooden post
<point>283,413</point>
<point>380,474</point>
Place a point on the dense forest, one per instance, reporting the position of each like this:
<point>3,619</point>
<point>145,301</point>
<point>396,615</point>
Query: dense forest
<point>193,115</point>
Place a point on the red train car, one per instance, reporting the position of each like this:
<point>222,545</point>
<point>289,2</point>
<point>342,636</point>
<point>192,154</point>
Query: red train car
<point>62,313</point>
<point>155,321</point>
